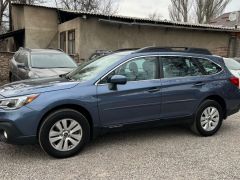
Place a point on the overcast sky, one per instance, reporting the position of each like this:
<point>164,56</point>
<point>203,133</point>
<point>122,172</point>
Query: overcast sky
<point>142,8</point>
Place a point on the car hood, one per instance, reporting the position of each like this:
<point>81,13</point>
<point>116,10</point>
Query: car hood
<point>36,86</point>
<point>50,72</point>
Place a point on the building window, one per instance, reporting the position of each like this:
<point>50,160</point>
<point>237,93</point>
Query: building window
<point>63,41</point>
<point>71,42</point>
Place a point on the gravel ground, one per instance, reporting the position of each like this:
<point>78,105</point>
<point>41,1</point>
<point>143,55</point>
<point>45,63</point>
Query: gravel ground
<point>160,153</point>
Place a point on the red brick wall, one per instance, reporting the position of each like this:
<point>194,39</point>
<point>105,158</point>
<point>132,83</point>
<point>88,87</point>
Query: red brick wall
<point>220,51</point>
<point>4,66</point>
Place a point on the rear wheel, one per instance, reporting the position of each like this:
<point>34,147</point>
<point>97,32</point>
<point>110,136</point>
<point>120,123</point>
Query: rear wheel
<point>208,118</point>
<point>64,133</point>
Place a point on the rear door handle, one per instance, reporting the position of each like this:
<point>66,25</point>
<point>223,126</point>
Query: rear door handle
<point>153,90</point>
<point>199,84</point>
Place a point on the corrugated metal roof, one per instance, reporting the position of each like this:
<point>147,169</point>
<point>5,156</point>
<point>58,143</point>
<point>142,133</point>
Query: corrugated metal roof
<point>208,27</point>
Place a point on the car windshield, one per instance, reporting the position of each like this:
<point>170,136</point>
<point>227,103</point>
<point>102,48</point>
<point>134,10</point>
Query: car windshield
<point>91,69</point>
<point>52,60</point>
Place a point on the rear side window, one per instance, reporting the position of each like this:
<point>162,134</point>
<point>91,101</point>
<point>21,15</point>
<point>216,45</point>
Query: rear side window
<point>180,67</point>
<point>209,67</point>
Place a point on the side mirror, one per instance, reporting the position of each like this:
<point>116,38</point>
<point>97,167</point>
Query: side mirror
<point>115,80</point>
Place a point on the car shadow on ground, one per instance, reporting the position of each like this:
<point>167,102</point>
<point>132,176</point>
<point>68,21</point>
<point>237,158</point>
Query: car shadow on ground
<point>164,133</point>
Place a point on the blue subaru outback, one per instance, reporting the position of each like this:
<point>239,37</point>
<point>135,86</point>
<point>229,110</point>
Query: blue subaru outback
<point>150,86</point>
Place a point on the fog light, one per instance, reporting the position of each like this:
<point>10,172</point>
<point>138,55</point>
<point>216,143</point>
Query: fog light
<point>5,134</point>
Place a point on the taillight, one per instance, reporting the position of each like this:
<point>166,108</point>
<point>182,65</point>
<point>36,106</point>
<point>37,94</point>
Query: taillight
<point>234,81</point>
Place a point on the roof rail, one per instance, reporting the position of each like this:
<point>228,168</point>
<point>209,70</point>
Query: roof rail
<point>174,49</point>
<point>125,49</point>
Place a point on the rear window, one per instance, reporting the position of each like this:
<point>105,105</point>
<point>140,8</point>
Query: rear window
<point>232,64</point>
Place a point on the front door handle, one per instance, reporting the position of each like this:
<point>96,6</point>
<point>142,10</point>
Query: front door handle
<point>153,90</point>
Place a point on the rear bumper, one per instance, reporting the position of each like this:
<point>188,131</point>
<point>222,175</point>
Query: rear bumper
<point>233,111</point>
<point>14,136</point>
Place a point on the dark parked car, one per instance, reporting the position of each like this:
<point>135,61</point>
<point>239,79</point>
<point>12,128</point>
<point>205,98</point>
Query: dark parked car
<point>38,63</point>
<point>150,87</point>
<point>99,54</point>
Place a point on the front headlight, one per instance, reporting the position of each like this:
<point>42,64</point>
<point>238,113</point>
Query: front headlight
<point>17,102</point>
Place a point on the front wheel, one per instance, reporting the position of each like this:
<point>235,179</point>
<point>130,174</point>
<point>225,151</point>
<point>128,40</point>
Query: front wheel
<point>64,133</point>
<point>208,119</point>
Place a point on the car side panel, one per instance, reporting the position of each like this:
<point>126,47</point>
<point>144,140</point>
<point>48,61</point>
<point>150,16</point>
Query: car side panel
<point>80,96</point>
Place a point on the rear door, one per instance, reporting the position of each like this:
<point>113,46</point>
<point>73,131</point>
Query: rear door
<point>137,101</point>
<point>182,86</point>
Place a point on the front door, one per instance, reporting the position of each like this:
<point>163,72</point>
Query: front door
<point>137,101</point>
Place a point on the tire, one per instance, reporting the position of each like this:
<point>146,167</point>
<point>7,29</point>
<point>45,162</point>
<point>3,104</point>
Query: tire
<point>53,135</point>
<point>210,124</point>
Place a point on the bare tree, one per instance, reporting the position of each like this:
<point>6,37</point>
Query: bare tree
<point>109,7</point>
<point>3,7</point>
<point>155,16</point>
<point>200,11</point>
<point>102,6</point>
<point>179,10</point>
<point>207,10</point>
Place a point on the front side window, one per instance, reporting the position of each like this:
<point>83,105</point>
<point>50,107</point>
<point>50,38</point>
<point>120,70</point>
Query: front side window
<point>22,58</point>
<point>71,42</point>
<point>180,67</point>
<point>145,68</point>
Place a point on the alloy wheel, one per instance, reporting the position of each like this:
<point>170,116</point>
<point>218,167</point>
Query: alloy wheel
<point>210,118</point>
<point>65,134</point>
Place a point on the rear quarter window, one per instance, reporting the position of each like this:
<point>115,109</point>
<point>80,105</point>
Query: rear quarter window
<point>209,67</point>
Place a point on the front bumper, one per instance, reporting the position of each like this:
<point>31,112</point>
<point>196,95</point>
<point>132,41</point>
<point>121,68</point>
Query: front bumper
<point>14,136</point>
<point>233,111</point>
<point>20,126</point>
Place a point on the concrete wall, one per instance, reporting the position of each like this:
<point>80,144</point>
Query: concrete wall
<point>41,27</point>
<point>42,31</point>
<point>97,35</point>
<point>18,20</point>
